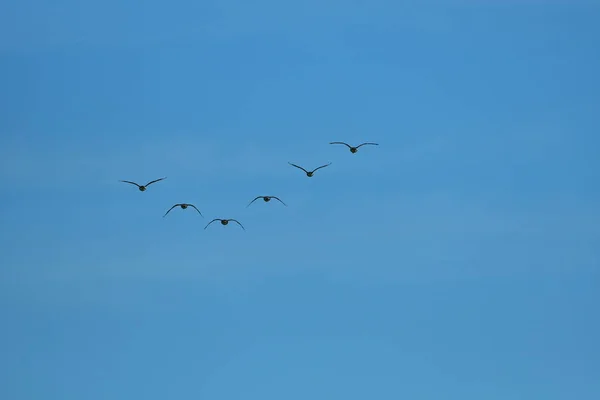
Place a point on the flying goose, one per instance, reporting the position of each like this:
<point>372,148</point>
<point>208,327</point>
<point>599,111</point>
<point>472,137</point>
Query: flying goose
<point>143,187</point>
<point>183,207</point>
<point>224,222</point>
<point>352,148</point>
<point>266,199</point>
<point>309,173</point>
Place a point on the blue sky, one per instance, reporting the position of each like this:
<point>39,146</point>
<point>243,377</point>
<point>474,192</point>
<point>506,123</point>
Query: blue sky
<point>460,259</point>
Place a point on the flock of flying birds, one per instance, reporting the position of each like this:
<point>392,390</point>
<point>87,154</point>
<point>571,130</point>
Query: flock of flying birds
<point>266,199</point>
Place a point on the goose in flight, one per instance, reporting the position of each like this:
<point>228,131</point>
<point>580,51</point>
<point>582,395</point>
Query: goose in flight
<point>144,187</point>
<point>352,148</point>
<point>225,222</point>
<point>266,199</point>
<point>183,207</point>
<point>309,173</point>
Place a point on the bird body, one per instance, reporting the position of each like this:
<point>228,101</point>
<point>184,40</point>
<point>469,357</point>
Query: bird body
<point>309,173</point>
<point>183,207</point>
<point>143,188</point>
<point>354,149</point>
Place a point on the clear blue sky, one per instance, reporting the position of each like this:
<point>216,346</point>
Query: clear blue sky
<point>460,259</point>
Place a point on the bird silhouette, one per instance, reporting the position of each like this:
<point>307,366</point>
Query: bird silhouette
<point>352,148</point>
<point>266,199</point>
<point>309,173</point>
<point>224,222</point>
<point>183,207</point>
<point>142,188</point>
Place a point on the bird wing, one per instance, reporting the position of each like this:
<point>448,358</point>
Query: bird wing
<point>171,209</point>
<point>216,219</point>
<point>236,221</point>
<point>322,166</point>
<point>191,205</point>
<point>275,197</point>
<point>297,166</point>
<point>256,198</point>
<point>133,183</point>
<point>362,144</point>
<point>156,180</point>
<point>341,143</point>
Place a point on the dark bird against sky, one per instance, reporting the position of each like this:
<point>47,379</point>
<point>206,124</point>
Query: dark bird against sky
<point>225,222</point>
<point>355,149</point>
<point>309,173</point>
<point>266,199</point>
<point>183,207</point>
<point>143,187</point>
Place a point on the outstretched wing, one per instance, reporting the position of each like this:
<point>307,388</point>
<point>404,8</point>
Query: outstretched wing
<point>156,180</point>
<point>297,166</point>
<point>216,219</point>
<point>322,166</point>
<point>236,221</point>
<point>256,198</point>
<point>171,209</point>
<point>133,183</point>
<point>341,143</point>
<point>277,198</point>
<point>191,205</point>
<point>362,144</point>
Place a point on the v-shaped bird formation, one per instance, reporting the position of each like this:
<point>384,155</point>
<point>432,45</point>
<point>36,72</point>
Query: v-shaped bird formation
<point>266,199</point>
